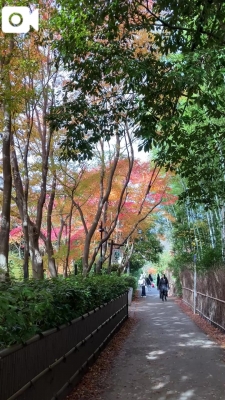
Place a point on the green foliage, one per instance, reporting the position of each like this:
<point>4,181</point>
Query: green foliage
<point>192,25</point>
<point>28,308</point>
<point>211,258</point>
<point>163,263</point>
<point>196,231</point>
<point>136,267</point>
<point>131,281</point>
<point>191,140</point>
<point>102,70</point>
<point>147,248</point>
<point>179,263</point>
<point>15,266</point>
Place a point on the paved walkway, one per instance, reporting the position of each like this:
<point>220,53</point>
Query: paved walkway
<point>166,357</point>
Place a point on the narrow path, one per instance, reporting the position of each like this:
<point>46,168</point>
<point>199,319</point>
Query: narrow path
<point>166,357</point>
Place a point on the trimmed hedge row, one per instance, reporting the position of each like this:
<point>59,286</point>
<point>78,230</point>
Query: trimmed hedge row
<point>131,282</point>
<point>28,308</point>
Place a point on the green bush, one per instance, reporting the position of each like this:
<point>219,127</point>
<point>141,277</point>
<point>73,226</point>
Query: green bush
<point>211,258</point>
<point>131,281</point>
<point>28,308</point>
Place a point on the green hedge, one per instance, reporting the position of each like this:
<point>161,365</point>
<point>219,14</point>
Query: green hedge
<point>131,281</point>
<point>28,308</point>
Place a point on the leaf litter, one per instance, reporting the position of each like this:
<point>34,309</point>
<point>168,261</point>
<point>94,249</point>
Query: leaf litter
<point>213,332</point>
<point>93,382</point>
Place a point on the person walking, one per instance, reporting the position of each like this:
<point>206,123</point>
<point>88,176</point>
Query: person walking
<point>148,283</point>
<point>163,286</point>
<point>143,291</point>
<point>157,282</point>
<point>164,276</point>
<point>167,282</point>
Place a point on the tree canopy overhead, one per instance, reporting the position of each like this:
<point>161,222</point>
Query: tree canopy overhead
<point>109,74</point>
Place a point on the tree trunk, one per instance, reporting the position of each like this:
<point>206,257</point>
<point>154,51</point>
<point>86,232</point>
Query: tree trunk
<point>26,253</point>
<point>86,254</point>
<point>68,244</point>
<point>36,257</point>
<point>213,226</point>
<point>21,201</point>
<point>110,258</point>
<point>223,231</point>
<point>24,218</point>
<point>49,247</point>
<point>5,59</point>
<point>211,233</point>
<point>7,189</point>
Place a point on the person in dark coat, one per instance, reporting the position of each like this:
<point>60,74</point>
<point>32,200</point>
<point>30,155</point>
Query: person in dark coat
<point>157,282</point>
<point>167,282</point>
<point>163,285</point>
<point>148,283</point>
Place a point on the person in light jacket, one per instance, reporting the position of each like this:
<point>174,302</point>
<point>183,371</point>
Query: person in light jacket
<point>143,291</point>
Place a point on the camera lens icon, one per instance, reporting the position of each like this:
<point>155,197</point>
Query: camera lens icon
<point>19,19</point>
<point>15,19</point>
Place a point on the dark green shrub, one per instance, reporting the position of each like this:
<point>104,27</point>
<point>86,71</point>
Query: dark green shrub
<point>211,258</point>
<point>27,308</point>
<point>131,281</point>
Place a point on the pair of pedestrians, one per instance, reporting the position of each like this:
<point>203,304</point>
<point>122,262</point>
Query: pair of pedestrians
<point>146,281</point>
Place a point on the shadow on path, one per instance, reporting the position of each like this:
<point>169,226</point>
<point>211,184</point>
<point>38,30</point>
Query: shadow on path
<point>166,357</point>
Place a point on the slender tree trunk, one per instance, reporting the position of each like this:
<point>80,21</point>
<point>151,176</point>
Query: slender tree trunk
<point>25,217</point>
<point>7,174</point>
<point>86,255</point>
<point>21,200</point>
<point>59,238</point>
<point>51,262</point>
<point>217,210</point>
<point>25,203</point>
<point>26,251</point>
<point>36,257</point>
<point>62,224</point>
<point>223,231</point>
<point>49,247</point>
<point>7,189</point>
<point>199,239</point>
<point>110,258</point>
<point>69,238</point>
<point>223,205</point>
<point>104,234</point>
<point>211,234</point>
<point>212,226</point>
